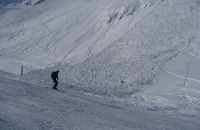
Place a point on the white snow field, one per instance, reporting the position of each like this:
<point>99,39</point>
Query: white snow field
<point>124,64</point>
<point>27,105</point>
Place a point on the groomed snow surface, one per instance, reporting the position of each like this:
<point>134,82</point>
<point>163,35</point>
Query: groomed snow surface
<point>131,64</point>
<point>28,105</point>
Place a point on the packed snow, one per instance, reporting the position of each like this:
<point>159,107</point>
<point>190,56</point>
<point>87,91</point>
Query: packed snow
<point>131,64</point>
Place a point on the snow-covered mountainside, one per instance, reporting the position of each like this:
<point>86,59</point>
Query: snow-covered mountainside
<point>28,105</point>
<point>72,31</point>
<point>142,53</point>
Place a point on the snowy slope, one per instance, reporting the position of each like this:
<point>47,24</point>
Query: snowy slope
<point>50,32</point>
<point>136,70</point>
<point>142,54</point>
<point>30,106</point>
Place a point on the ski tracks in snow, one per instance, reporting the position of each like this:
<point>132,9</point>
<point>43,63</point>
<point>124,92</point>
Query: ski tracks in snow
<point>54,41</point>
<point>187,88</point>
<point>26,105</point>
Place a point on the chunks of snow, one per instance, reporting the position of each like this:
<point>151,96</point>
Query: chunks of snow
<point>32,2</point>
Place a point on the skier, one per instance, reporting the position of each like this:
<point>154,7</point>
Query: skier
<point>54,76</point>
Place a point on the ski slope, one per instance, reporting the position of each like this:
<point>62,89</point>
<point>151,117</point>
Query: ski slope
<point>116,58</point>
<point>28,105</point>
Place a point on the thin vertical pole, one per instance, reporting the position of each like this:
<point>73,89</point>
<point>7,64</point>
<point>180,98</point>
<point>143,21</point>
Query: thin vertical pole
<point>21,70</point>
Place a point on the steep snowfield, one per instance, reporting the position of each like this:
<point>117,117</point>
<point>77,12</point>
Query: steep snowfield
<point>142,54</point>
<point>50,32</point>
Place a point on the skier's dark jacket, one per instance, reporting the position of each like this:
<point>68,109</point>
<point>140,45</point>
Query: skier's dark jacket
<point>54,75</point>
